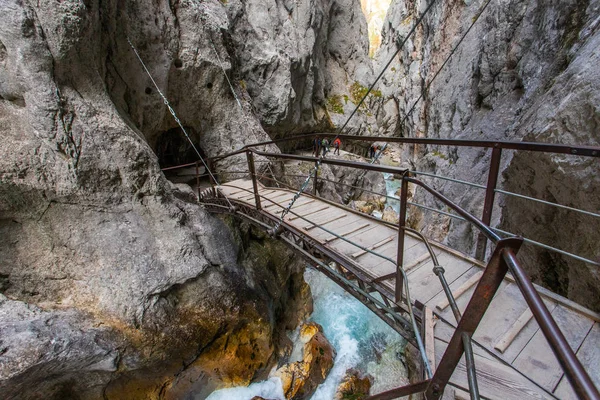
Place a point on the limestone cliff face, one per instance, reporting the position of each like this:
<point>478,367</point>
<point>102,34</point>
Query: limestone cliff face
<point>527,71</point>
<point>112,283</point>
<point>301,61</point>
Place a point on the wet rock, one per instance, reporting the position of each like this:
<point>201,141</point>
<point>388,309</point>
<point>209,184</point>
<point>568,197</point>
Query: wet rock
<point>353,386</point>
<point>390,215</point>
<point>300,379</point>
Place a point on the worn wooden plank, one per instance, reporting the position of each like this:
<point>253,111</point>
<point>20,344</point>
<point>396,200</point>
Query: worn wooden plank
<point>417,261</point>
<point>307,212</point>
<point>423,282</point>
<point>589,355</point>
<point>444,332</point>
<point>360,228</point>
<point>362,239</point>
<point>459,291</point>
<point>513,331</point>
<point>507,306</point>
<point>496,380</point>
<point>299,204</point>
<point>373,247</point>
<point>463,301</point>
<point>342,225</point>
<point>281,201</point>
<point>412,248</point>
<point>317,217</point>
<point>323,223</point>
<point>537,359</point>
<point>430,338</point>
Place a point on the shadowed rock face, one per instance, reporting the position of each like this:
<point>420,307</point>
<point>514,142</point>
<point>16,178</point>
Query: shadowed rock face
<point>526,71</point>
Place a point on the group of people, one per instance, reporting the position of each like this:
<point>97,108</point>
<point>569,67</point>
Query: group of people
<point>373,150</point>
<point>322,145</point>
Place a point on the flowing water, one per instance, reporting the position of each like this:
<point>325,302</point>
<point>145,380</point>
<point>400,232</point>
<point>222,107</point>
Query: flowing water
<point>361,340</point>
<point>391,187</point>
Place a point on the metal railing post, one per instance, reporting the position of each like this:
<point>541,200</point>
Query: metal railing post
<point>314,188</point>
<point>480,300</point>
<point>488,204</point>
<point>401,224</point>
<point>252,170</point>
<point>197,181</point>
<point>210,164</point>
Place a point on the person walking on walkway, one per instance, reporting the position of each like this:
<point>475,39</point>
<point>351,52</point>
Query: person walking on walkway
<point>336,144</point>
<point>372,150</point>
<point>325,146</point>
<point>316,146</point>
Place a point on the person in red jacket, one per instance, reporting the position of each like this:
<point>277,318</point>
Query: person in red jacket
<point>336,144</point>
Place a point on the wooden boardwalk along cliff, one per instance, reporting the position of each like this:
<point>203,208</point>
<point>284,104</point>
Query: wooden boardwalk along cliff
<point>512,358</point>
<point>481,329</point>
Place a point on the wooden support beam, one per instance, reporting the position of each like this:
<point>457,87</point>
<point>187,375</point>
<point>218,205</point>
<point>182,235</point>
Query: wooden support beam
<point>460,290</point>
<point>514,330</point>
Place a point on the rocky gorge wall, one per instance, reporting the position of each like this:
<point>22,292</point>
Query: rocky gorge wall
<point>113,282</point>
<point>526,71</point>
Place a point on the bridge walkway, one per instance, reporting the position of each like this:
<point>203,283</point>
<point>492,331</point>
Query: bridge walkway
<point>512,357</point>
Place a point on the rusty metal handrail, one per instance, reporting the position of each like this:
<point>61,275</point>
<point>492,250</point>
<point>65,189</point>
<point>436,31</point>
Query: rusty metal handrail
<point>483,228</point>
<point>503,259</point>
<point>587,151</point>
<point>576,374</point>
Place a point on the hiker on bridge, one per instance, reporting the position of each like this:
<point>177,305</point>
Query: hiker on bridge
<point>325,146</point>
<point>316,146</point>
<point>373,150</point>
<point>337,144</point>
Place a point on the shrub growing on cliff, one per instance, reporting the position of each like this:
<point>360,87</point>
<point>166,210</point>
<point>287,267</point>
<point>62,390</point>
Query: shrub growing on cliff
<point>334,104</point>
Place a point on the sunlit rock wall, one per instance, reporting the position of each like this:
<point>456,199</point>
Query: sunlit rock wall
<point>302,62</point>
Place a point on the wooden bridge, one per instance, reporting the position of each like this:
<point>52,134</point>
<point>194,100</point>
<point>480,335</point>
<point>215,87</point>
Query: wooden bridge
<point>482,329</point>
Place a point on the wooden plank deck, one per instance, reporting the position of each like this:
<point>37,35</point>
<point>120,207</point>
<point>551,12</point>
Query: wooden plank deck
<point>512,358</point>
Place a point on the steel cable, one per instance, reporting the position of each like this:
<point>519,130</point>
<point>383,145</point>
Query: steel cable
<point>172,111</point>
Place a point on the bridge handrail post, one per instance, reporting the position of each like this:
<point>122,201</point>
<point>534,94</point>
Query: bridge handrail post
<point>211,164</point>
<point>197,181</point>
<point>400,251</point>
<point>490,195</point>
<point>250,158</point>
<point>316,178</point>
<point>482,297</point>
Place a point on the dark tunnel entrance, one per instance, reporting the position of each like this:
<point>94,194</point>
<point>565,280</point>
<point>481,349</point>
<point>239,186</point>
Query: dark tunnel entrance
<point>175,150</point>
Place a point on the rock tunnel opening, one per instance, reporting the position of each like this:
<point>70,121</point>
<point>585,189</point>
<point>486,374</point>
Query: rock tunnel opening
<point>174,149</point>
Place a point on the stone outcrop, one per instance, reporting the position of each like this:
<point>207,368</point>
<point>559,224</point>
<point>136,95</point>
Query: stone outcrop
<point>301,378</point>
<point>353,386</point>
<point>524,72</point>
